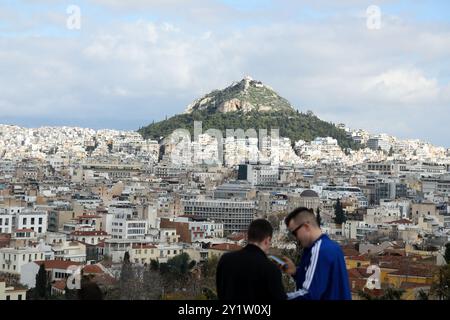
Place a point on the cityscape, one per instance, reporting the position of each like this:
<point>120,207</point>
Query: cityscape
<point>140,141</point>
<point>81,200</point>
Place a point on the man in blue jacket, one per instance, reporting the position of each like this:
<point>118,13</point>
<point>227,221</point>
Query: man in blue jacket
<point>322,273</point>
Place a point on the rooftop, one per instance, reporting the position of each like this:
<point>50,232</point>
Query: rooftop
<point>57,264</point>
<point>225,247</point>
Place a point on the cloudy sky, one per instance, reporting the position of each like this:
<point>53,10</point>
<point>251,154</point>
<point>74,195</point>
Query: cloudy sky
<point>135,61</point>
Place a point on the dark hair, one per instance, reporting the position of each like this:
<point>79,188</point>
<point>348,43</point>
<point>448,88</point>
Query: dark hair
<point>258,230</point>
<point>298,211</point>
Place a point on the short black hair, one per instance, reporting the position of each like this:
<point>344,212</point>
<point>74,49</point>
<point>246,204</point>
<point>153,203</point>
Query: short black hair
<point>258,230</point>
<point>298,211</point>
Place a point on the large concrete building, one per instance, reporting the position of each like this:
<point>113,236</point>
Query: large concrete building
<point>236,215</point>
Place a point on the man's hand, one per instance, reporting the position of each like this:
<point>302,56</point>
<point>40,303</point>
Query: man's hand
<point>291,269</point>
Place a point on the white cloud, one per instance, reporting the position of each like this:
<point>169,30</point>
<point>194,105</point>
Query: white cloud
<point>408,86</point>
<point>144,70</point>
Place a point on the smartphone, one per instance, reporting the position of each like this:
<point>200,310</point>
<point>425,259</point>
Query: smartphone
<point>278,261</point>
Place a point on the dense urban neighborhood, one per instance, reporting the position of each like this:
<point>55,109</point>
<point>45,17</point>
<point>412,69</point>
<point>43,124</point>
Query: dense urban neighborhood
<point>146,219</point>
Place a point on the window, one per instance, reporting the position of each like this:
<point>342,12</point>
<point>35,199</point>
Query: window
<point>8,298</point>
<point>40,220</point>
<point>32,220</point>
<point>19,297</point>
<point>24,221</point>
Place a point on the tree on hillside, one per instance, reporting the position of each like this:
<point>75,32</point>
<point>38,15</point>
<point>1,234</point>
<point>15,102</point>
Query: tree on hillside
<point>339,214</point>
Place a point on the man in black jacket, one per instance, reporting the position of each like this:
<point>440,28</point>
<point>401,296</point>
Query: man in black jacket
<point>248,274</point>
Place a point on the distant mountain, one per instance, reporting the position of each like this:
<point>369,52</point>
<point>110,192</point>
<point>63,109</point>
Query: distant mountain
<point>246,95</point>
<point>249,104</point>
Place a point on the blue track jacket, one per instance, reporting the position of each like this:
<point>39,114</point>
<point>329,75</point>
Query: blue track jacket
<point>322,273</point>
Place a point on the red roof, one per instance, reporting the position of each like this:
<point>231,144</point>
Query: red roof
<point>413,272</point>
<point>226,247</point>
<point>358,273</point>
<point>24,230</point>
<point>350,252</point>
<point>92,268</point>
<point>57,264</point>
<point>59,284</point>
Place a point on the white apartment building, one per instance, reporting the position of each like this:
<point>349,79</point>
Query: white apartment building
<point>121,222</point>
<point>236,215</point>
<point>13,218</point>
<point>209,229</point>
<point>259,175</point>
<point>122,228</point>
<point>34,220</point>
<point>70,250</point>
<point>6,221</point>
<point>382,214</point>
<point>12,259</point>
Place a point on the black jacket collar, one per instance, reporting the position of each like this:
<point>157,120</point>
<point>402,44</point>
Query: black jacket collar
<point>254,248</point>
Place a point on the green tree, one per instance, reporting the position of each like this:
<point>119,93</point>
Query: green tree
<point>42,285</point>
<point>152,282</point>
<point>208,277</point>
<point>339,214</point>
<point>154,265</point>
<point>177,267</point>
<point>391,152</point>
<point>440,287</point>
<point>127,278</point>
<point>388,294</point>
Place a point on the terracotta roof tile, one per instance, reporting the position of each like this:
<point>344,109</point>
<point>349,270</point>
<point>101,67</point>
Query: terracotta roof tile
<point>59,284</point>
<point>57,264</point>
<point>92,268</point>
<point>226,247</point>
